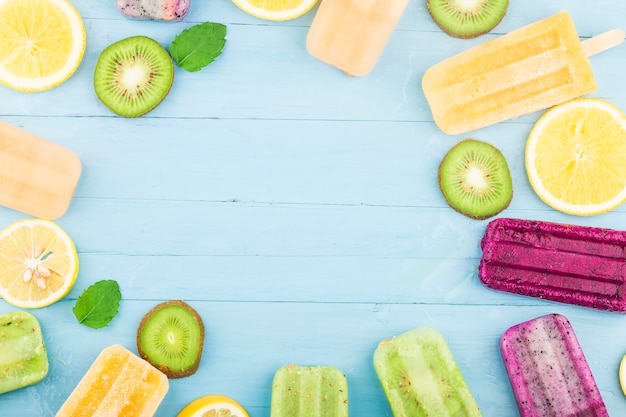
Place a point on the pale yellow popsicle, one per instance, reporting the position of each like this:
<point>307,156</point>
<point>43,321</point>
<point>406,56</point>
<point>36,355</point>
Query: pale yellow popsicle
<point>351,34</point>
<point>37,177</point>
<point>529,69</point>
<point>118,384</point>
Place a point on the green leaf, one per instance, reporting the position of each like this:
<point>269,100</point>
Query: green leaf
<point>98,304</point>
<point>196,47</point>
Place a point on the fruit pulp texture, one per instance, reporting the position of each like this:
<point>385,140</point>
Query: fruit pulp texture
<point>118,383</point>
<point>578,265</point>
<point>548,371</point>
<point>529,69</point>
<point>351,34</point>
<point>309,391</point>
<point>420,376</point>
<point>37,177</point>
<point>154,9</point>
<point>23,357</point>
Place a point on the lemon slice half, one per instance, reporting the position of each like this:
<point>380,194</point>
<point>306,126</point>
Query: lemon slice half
<point>275,9</point>
<point>43,42</point>
<point>214,405</point>
<point>576,157</point>
<point>38,263</point>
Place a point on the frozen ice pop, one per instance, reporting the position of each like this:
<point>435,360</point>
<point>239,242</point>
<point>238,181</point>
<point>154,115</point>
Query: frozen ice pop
<point>529,69</point>
<point>420,377</point>
<point>154,9</point>
<point>37,177</point>
<point>309,391</point>
<point>548,371</point>
<point>351,34</point>
<point>23,358</point>
<point>571,264</point>
<point>118,384</point>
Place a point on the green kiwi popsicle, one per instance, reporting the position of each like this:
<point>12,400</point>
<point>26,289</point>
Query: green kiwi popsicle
<point>23,357</point>
<point>309,391</point>
<point>421,378</point>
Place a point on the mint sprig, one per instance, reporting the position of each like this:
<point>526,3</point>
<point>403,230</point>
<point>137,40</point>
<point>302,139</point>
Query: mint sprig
<point>98,304</point>
<point>196,47</point>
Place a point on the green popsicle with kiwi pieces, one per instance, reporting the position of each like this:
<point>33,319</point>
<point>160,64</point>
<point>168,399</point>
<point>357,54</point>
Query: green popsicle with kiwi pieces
<point>23,357</point>
<point>309,391</point>
<point>420,377</point>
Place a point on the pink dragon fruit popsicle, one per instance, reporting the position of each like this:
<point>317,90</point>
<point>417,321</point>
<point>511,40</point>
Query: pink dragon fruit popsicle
<point>548,371</point>
<point>566,263</point>
<point>154,9</point>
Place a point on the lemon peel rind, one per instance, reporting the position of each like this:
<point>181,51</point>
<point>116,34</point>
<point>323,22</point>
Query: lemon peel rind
<point>622,374</point>
<point>73,266</point>
<point>282,15</point>
<point>73,62</point>
<point>530,153</point>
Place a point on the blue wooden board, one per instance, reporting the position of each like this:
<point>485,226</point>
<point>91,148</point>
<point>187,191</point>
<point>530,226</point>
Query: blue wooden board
<point>296,209</point>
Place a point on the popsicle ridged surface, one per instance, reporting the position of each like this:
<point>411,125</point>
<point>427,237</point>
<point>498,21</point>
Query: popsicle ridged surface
<point>309,391</point>
<point>566,263</point>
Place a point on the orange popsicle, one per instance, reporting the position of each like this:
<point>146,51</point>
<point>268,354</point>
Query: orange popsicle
<point>37,177</point>
<point>351,34</point>
<point>529,69</point>
<point>118,384</point>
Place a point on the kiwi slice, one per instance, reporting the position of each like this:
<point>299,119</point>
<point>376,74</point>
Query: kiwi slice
<point>171,338</point>
<point>475,180</point>
<point>133,76</point>
<point>467,18</point>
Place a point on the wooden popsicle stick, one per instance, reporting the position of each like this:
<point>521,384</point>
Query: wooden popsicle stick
<point>603,41</point>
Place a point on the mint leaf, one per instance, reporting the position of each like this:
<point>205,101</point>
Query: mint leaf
<point>98,304</point>
<point>196,47</point>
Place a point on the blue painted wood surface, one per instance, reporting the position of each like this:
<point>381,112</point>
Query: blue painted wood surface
<point>296,209</point>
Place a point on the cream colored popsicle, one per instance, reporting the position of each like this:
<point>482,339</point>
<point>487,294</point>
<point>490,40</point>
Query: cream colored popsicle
<point>351,34</point>
<point>37,177</point>
<point>118,384</point>
<point>529,69</point>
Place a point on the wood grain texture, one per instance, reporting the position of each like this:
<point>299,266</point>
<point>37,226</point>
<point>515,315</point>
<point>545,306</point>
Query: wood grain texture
<point>296,209</point>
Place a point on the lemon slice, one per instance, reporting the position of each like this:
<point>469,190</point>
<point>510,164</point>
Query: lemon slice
<point>622,374</point>
<point>276,9</point>
<point>43,42</point>
<point>38,263</point>
<point>213,405</point>
<point>576,157</point>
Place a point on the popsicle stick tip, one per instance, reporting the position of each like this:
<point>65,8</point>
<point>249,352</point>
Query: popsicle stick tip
<point>603,41</point>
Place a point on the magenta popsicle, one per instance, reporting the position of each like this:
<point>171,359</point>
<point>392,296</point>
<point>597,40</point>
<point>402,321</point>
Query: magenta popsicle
<point>578,265</point>
<point>154,9</point>
<point>548,370</point>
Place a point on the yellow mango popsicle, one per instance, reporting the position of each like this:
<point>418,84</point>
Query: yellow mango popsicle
<point>351,34</point>
<point>37,177</point>
<point>529,69</point>
<point>118,384</point>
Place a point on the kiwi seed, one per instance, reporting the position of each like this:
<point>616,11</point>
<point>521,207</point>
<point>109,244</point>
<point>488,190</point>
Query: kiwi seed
<point>171,338</point>
<point>467,18</point>
<point>475,180</point>
<point>133,76</point>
